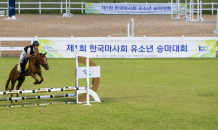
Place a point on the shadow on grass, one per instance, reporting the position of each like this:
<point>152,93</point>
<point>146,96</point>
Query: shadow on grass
<point>114,99</point>
<point>206,95</point>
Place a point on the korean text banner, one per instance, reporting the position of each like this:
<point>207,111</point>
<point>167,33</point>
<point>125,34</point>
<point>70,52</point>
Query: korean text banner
<point>135,47</point>
<point>131,8</point>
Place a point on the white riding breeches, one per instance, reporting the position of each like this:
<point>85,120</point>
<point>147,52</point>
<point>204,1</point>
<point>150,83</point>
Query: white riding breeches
<point>23,56</point>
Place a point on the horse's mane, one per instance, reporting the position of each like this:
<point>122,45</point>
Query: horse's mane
<point>37,52</point>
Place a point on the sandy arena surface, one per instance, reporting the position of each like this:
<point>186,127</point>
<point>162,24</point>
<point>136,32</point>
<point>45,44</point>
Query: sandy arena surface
<point>102,26</point>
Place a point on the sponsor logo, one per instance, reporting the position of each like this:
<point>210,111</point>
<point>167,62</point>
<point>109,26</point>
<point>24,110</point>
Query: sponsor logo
<point>10,8</point>
<point>47,48</point>
<point>90,71</point>
<point>203,48</point>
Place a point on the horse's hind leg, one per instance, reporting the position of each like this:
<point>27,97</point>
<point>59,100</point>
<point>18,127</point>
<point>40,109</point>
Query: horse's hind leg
<point>12,88</point>
<point>20,82</point>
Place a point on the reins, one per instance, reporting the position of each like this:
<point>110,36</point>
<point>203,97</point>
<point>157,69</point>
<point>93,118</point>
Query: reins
<point>38,64</point>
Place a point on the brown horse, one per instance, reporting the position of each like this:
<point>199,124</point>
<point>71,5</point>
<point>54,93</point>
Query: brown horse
<point>34,68</point>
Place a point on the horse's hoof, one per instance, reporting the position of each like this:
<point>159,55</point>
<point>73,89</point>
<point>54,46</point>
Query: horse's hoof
<point>35,83</point>
<point>39,82</point>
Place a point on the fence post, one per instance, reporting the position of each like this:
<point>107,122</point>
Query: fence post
<point>39,7</point>
<point>82,7</point>
<point>103,6</point>
<point>212,7</point>
<point>61,7</point>
<point>31,41</point>
<point>66,6</point>
<point>87,81</point>
<point>132,27</point>
<point>19,7</point>
<point>127,29</point>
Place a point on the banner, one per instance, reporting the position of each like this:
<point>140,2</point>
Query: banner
<point>136,47</point>
<point>131,8</point>
<point>93,72</point>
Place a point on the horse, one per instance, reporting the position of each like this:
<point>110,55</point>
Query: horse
<point>34,68</point>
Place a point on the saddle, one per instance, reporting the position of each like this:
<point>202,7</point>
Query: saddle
<point>26,62</point>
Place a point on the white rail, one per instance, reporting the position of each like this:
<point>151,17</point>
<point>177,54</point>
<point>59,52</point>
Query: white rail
<point>41,3</point>
<point>73,3</point>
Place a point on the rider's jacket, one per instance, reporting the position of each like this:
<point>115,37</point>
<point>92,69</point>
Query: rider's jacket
<point>31,49</point>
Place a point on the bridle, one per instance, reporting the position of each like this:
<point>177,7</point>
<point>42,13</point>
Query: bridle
<point>44,65</point>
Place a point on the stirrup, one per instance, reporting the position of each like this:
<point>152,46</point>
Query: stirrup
<point>21,72</point>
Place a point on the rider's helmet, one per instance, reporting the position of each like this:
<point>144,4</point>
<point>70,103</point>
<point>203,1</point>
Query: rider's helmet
<point>35,43</point>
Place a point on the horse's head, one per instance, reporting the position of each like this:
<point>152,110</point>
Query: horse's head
<point>43,61</point>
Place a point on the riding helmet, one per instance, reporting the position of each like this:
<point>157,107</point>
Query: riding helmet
<point>35,43</point>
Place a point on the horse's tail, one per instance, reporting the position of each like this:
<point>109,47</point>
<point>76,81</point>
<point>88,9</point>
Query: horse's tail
<point>7,87</point>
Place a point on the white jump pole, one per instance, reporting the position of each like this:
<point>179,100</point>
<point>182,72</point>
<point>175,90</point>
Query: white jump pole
<point>8,7</point>
<point>87,81</point>
<point>216,31</point>
<point>67,14</point>
<point>193,9</point>
<point>201,19</point>
<point>171,9</point>
<point>66,6</point>
<point>217,19</point>
<point>76,78</point>
<point>127,29</point>
<point>132,27</point>
<point>69,6</point>
<point>76,66</point>
<point>178,9</point>
<point>186,11</point>
<point>190,10</point>
<point>198,10</point>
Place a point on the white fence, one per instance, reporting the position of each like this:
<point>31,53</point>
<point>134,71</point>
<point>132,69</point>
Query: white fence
<point>61,8</point>
<point>48,3</point>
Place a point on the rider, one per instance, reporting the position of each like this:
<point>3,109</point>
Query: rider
<point>28,51</point>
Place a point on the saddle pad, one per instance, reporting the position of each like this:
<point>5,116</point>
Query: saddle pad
<point>26,66</point>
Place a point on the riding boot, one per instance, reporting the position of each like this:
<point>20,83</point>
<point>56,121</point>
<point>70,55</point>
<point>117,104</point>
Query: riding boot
<point>22,65</point>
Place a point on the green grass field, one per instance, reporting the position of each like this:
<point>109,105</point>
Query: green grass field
<point>138,94</point>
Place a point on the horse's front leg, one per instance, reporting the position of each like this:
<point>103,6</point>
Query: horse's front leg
<point>37,81</point>
<point>40,75</point>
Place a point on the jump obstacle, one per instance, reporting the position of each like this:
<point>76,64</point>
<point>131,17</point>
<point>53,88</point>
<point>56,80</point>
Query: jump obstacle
<point>85,91</point>
<point>68,14</point>
<point>192,10</point>
<point>177,11</point>
<point>132,28</point>
<point>10,12</point>
<point>4,13</point>
<point>187,12</point>
<point>216,31</point>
